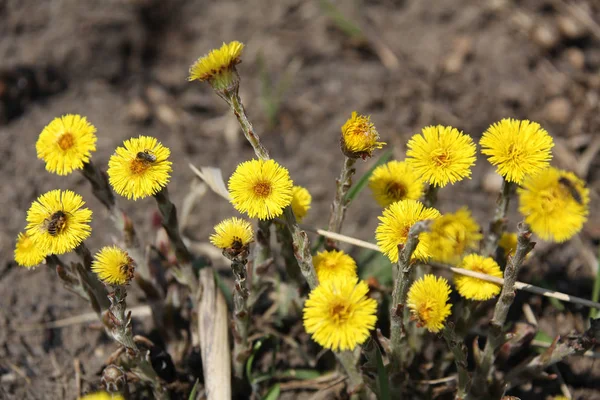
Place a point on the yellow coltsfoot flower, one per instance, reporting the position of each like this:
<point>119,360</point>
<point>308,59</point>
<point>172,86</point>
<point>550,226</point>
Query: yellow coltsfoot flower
<point>359,137</point>
<point>66,143</point>
<point>441,155</point>
<point>334,264</point>
<point>233,235</point>
<point>57,222</point>
<point>474,288</point>
<point>113,266</point>
<point>140,168</point>
<point>301,200</point>
<point>218,66</point>
<point>261,189</point>
<point>554,203</point>
<point>517,148</point>
<point>27,254</point>
<point>428,302</point>
<point>452,235</point>
<point>102,396</point>
<point>395,223</point>
<point>339,314</point>
<point>395,181</point>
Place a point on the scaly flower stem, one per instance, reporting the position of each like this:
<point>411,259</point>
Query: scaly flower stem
<point>241,313</point>
<point>498,224</point>
<point>100,186</point>
<point>169,221</point>
<point>459,350</point>
<point>284,237</point>
<point>261,253</point>
<point>233,99</point>
<point>301,248</point>
<point>431,195</point>
<point>403,278</point>
<point>340,204</point>
<point>356,383</point>
<point>88,280</point>
<point>496,331</point>
<point>121,331</point>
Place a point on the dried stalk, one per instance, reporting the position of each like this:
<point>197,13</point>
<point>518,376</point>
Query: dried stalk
<point>403,278</point>
<point>340,203</point>
<point>496,337</point>
<point>459,350</point>
<point>498,224</point>
<point>214,339</point>
<point>120,322</point>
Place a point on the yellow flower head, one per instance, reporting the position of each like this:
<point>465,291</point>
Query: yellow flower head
<point>517,148</point>
<point>554,203</point>
<point>66,144</point>
<point>508,243</point>
<point>218,66</point>
<point>452,235</point>
<point>359,137</point>
<point>140,168</point>
<point>27,254</point>
<point>441,155</point>
<point>301,200</point>
<point>102,396</point>
<point>113,266</point>
<point>57,221</point>
<point>395,181</point>
<point>233,233</point>
<point>338,313</point>
<point>474,288</point>
<point>428,302</point>
<point>395,224</point>
<point>262,189</point>
<point>334,264</point>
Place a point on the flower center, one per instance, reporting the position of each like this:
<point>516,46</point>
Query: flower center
<point>138,166</point>
<point>66,141</point>
<point>396,190</point>
<point>262,189</point>
<point>515,152</point>
<point>340,313</point>
<point>425,311</point>
<point>441,158</point>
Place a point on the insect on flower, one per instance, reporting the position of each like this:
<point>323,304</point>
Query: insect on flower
<point>146,156</point>
<point>55,223</point>
<point>570,186</point>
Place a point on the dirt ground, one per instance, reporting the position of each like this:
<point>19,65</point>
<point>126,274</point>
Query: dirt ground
<point>124,63</point>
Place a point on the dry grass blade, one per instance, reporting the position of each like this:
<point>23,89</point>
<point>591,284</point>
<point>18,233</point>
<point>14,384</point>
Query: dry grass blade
<point>213,178</point>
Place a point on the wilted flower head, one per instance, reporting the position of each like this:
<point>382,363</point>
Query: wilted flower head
<point>428,302</point>
<point>140,168</point>
<point>474,288</point>
<point>359,137</point>
<point>339,315</point>
<point>441,155</point>
<point>554,203</point>
<point>66,143</point>
<point>395,224</point>
<point>262,189</point>
<point>218,66</point>
<point>395,181</point>
<point>517,148</point>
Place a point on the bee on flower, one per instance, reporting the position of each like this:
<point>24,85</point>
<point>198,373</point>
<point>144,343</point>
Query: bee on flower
<point>113,266</point>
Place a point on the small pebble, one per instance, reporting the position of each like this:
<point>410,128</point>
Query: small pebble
<point>492,182</point>
<point>138,111</point>
<point>570,28</point>
<point>558,110</point>
<point>545,35</point>
<point>575,57</point>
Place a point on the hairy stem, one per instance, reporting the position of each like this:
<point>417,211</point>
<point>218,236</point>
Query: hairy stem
<point>459,351</point>
<point>234,101</point>
<point>241,313</point>
<point>301,248</point>
<point>348,361</point>
<point>340,204</point>
<point>498,224</point>
<point>261,253</point>
<point>496,337</point>
<point>431,195</point>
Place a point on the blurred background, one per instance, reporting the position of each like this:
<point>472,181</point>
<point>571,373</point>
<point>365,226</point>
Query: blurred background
<point>306,66</point>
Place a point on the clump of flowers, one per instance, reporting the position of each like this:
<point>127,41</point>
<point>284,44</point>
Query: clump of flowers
<point>261,189</point>
<point>395,181</point>
<point>517,148</point>
<point>359,137</point>
<point>334,264</point>
<point>554,203</point>
<point>441,155</point>
<point>339,315</point>
<point>140,168</point>
<point>232,235</point>
<point>218,66</point>
<point>301,200</point>
<point>452,235</point>
<point>113,266</point>
<point>428,302</point>
<point>27,254</point>
<point>58,222</point>
<point>395,224</point>
<point>66,144</point>
<point>474,288</point>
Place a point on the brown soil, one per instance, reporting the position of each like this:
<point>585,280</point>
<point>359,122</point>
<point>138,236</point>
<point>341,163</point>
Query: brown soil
<point>123,64</point>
